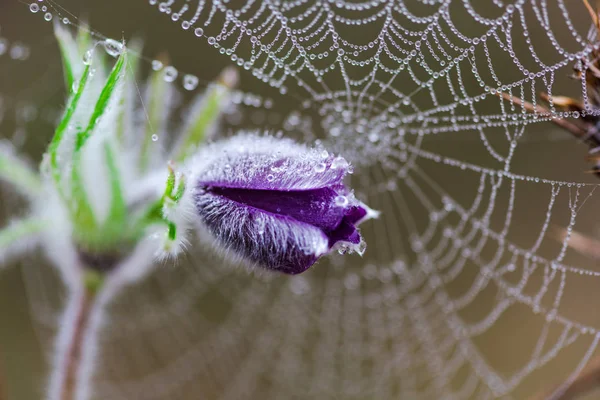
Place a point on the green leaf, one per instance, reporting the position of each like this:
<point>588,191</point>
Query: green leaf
<point>91,232</point>
<point>64,123</point>
<point>71,57</point>
<point>205,114</point>
<point>125,120</point>
<point>16,172</point>
<point>180,190</point>
<point>18,232</point>
<point>158,109</point>
<point>84,39</point>
<point>108,93</point>
<point>170,186</point>
<point>116,223</point>
<point>172,234</point>
<point>82,213</point>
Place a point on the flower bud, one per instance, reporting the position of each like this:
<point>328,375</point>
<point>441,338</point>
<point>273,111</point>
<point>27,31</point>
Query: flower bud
<point>275,203</point>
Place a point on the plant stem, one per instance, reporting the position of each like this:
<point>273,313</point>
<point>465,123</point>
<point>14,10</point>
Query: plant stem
<point>76,345</point>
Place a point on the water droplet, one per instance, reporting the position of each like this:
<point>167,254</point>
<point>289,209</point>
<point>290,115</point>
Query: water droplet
<point>48,17</point>
<point>113,47</point>
<point>170,74</point>
<point>155,137</point>
<point>361,248</point>
<point>320,167</point>
<point>87,57</point>
<point>190,82</point>
<point>339,162</point>
<point>270,177</point>
<point>342,249</point>
<point>34,8</point>
<point>278,167</point>
<point>198,32</point>
<point>212,40</point>
<point>156,65</point>
<point>341,201</point>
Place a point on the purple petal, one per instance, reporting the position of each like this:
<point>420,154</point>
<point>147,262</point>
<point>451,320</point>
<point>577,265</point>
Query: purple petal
<point>356,214</point>
<point>314,207</point>
<point>275,242</point>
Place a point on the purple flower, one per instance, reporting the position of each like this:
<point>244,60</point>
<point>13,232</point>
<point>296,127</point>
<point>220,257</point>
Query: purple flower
<point>275,203</point>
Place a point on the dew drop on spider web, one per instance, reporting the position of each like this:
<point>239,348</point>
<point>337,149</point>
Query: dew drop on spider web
<point>170,73</point>
<point>156,65</point>
<point>190,82</point>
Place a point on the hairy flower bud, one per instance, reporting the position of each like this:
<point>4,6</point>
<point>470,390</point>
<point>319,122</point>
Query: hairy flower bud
<point>275,203</point>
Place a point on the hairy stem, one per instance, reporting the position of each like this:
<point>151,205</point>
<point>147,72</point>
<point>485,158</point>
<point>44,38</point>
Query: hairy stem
<point>76,345</point>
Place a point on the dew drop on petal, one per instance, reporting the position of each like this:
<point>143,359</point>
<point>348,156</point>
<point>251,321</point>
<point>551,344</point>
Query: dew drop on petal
<point>270,177</point>
<point>342,249</point>
<point>361,248</point>
<point>341,201</point>
<point>339,162</point>
<point>320,167</point>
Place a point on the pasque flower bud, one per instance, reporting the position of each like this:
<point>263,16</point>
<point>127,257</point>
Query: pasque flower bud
<point>275,203</point>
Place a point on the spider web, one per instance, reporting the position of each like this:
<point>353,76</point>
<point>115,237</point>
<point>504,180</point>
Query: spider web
<point>469,288</point>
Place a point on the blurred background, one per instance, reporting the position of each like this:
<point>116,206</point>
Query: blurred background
<point>458,296</point>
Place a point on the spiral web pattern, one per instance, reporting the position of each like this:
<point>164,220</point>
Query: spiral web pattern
<point>466,290</point>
